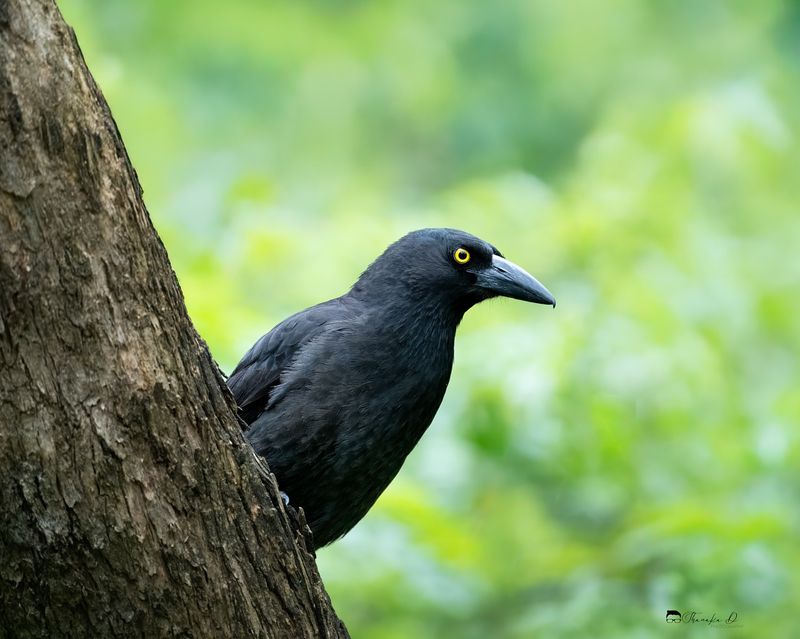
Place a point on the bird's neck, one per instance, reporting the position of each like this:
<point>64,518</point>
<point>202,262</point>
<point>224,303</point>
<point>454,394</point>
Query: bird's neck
<point>403,302</point>
<point>424,329</point>
<point>412,313</point>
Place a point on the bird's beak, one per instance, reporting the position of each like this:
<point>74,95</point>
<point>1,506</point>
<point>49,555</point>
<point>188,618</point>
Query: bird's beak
<point>509,280</point>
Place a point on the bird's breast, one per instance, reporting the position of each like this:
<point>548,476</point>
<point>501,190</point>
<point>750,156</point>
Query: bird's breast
<point>397,397</point>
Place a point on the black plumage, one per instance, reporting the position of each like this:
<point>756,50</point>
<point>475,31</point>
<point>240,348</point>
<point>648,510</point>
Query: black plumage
<point>337,395</point>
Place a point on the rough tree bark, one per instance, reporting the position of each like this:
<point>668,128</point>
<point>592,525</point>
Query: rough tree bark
<point>130,504</point>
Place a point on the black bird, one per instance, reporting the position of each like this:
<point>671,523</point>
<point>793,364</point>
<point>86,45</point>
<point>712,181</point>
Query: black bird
<point>336,396</point>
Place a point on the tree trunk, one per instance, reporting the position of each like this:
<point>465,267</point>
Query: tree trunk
<point>130,504</point>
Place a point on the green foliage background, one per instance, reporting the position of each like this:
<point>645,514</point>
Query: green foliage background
<point>634,450</point>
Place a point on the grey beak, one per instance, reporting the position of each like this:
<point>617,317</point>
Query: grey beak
<point>509,280</point>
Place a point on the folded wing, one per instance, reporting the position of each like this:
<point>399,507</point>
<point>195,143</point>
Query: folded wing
<point>260,370</point>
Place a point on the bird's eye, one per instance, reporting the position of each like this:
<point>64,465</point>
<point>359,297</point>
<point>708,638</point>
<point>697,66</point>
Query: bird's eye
<point>461,255</point>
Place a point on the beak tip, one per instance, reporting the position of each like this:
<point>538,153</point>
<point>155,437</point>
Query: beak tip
<point>509,280</point>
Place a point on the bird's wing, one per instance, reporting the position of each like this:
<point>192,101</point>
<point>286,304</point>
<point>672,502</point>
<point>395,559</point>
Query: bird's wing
<point>260,370</point>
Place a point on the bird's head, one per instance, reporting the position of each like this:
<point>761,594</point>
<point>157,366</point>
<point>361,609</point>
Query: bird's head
<point>450,268</point>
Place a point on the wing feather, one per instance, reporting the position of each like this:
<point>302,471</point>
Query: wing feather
<point>259,371</point>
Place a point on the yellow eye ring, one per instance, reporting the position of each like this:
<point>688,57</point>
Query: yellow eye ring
<point>461,255</point>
